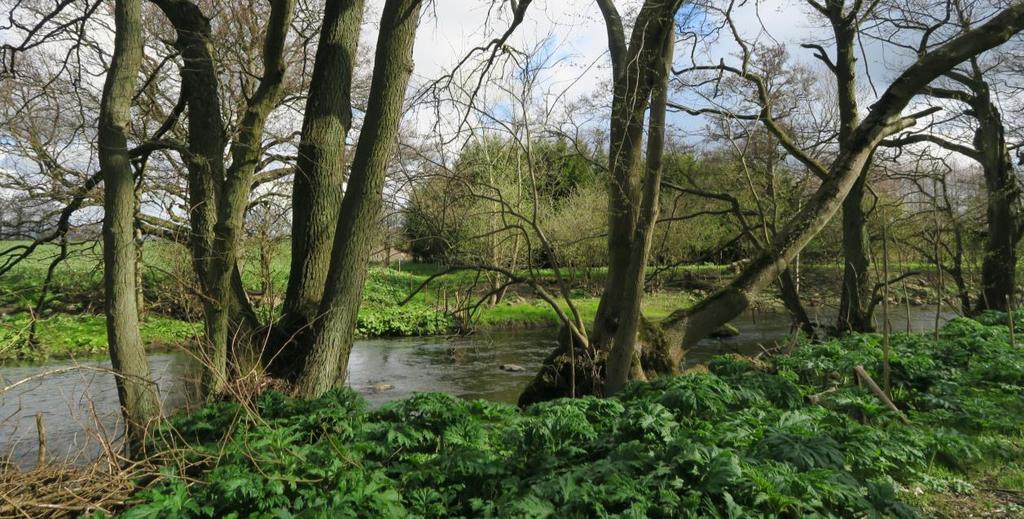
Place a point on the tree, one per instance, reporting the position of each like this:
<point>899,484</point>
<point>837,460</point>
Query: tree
<point>218,195</point>
<point>685,327</point>
<point>320,173</point>
<point>664,344</point>
<point>989,148</point>
<point>621,362</point>
<point>135,388</point>
<point>330,343</point>
<point>855,294</point>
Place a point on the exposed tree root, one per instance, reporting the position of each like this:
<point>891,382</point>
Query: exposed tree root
<point>657,357</point>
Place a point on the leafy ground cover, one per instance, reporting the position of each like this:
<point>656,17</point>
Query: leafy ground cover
<point>739,439</point>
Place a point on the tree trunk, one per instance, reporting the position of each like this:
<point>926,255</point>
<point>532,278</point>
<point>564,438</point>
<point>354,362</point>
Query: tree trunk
<point>135,388</point>
<point>791,300</point>
<point>246,151</point>
<point>204,161</point>
<point>855,292</point>
<point>957,269</point>
<point>217,201</point>
<point>620,358</point>
<point>206,136</point>
<point>631,94</point>
<point>319,175</point>
<point>855,295</point>
<point>327,362</point>
<point>999,263</point>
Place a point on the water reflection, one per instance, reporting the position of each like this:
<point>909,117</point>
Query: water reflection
<point>767,327</point>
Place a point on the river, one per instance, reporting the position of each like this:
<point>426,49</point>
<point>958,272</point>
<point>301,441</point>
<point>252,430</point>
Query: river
<point>80,405</point>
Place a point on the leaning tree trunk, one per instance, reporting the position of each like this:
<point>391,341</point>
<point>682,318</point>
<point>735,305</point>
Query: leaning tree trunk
<point>327,362</point>
<point>685,328</point>
<point>317,187</point>
<point>664,344</point>
<point>135,388</point>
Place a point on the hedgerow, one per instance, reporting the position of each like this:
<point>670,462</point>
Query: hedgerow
<point>739,440</point>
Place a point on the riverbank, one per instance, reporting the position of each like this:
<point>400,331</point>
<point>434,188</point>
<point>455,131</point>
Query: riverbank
<point>790,435</point>
<point>63,336</point>
<point>396,303</point>
<point>72,326</point>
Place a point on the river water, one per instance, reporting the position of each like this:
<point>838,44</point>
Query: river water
<point>79,406</point>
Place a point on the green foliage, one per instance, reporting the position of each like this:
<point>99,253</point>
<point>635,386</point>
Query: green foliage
<point>381,315</point>
<point>400,321</point>
<point>72,324</point>
<point>971,377</point>
<point>735,442</point>
<point>62,335</point>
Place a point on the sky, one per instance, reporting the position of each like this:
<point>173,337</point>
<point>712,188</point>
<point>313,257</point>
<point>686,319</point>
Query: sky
<point>574,31</point>
<point>573,34</point>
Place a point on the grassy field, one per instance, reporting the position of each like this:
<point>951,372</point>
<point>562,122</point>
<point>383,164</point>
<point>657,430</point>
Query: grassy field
<point>71,323</point>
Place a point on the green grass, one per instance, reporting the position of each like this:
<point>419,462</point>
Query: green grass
<point>538,313</point>
<point>77,289</point>
<point>61,336</point>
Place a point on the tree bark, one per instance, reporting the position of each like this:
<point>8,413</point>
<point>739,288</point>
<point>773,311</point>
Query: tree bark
<point>855,294</point>
<point>791,300</point>
<point>246,151</point>
<point>206,137</point>
<point>217,199</point>
<point>999,264</point>
<point>319,175</point>
<point>331,342</point>
<point>621,356</point>
<point>631,95</point>
<point>135,388</point>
